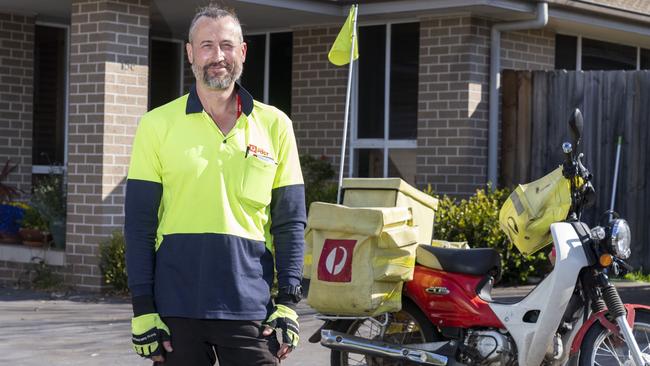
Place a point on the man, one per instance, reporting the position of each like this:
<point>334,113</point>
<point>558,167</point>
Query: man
<point>214,205</point>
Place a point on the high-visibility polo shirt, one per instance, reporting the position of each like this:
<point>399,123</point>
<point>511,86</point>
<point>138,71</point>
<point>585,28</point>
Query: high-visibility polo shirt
<point>206,212</point>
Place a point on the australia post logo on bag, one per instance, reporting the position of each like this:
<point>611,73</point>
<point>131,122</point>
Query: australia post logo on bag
<point>335,262</point>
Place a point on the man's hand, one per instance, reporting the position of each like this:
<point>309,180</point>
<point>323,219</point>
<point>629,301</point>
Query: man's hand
<point>285,320</point>
<point>150,336</point>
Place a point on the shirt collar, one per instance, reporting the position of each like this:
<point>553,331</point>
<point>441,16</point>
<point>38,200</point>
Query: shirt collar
<point>194,103</point>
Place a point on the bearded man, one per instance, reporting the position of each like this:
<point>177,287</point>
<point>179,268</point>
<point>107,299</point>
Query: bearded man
<point>215,213</point>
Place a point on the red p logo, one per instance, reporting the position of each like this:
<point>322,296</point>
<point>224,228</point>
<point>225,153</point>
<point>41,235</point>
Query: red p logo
<point>335,262</point>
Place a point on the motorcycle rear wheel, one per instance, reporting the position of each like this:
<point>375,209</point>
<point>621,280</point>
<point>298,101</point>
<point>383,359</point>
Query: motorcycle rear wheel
<point>407,326</point>
<point>602,348</point>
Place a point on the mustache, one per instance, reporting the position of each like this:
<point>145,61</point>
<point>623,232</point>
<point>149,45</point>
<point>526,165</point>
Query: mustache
<point>226,65</point>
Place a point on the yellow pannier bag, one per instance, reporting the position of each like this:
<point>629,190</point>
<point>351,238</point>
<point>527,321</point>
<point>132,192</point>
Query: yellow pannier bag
<point>358,258</point>
<point>528,213</point>
<point>393,192</point>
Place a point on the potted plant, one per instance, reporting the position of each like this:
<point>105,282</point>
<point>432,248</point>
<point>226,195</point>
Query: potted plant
<point>49,199</point>
<point>33,228</point>
<point>10,212</point>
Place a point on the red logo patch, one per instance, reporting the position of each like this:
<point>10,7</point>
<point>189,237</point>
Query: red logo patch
<point>335,262</point>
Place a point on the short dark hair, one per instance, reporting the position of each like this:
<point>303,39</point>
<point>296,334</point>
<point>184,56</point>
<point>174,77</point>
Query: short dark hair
<point>214,11</point>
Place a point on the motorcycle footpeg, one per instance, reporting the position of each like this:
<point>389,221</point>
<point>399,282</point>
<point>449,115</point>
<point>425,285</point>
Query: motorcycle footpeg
<point>344,342</point>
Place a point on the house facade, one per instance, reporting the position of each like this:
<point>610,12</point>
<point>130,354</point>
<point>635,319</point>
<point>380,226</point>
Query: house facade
<point>76,76</point>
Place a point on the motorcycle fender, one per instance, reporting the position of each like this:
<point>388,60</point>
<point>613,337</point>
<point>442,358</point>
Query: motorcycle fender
<point>600,317</point>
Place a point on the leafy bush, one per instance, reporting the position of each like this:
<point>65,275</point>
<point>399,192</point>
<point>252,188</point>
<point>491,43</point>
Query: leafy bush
<point>318,175</point>
<point>49,197</point>
<point>476,220</point>
<point>32,219</point>
<point>113,262</point>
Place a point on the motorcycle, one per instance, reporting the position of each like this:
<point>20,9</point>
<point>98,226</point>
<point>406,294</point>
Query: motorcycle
<point>574,316</point>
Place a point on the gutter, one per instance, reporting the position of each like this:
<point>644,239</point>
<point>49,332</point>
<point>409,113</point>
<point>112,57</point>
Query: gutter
<point>495,82</point>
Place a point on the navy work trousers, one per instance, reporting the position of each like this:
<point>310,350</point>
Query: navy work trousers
<point>199,342</point>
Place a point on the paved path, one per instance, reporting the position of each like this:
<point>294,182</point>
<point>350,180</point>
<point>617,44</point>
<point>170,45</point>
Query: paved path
<point>37,329</point>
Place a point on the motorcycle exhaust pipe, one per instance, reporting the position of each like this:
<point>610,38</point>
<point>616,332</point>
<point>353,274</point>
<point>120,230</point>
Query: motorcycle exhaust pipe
<point>344,342</point>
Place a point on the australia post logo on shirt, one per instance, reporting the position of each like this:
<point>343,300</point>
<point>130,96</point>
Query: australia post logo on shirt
<point>335,262</point>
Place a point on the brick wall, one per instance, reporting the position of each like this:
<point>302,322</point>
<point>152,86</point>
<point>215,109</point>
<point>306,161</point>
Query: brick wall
<point>108,94</point>
<point>454,86</point>
<point>453,95</point>
<point>16,96</point>
<point>318,94</point>
<point>528,50</point>
<point>452,112</point>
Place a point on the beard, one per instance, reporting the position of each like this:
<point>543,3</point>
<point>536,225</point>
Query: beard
<point>233,73</point>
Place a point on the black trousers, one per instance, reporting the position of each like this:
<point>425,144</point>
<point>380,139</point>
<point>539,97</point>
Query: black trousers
<point>198,342</point>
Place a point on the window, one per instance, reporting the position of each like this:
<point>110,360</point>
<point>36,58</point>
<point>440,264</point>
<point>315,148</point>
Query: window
<point>165,71</point>
<point>599,55</point>
<point>50,93</point>
<point>565,52</point>
<point>384,128</point>
<point>267,70</point>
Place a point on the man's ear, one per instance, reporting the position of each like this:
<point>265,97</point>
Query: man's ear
<point>190,56</point>
<point>244,48</point>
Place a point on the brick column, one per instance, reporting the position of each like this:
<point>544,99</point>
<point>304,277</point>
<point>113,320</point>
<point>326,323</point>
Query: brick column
<point>453,96</point>
<point>108,95</point>
<point>318,94</point>
<point>452,112</point>
<point>16,96</point>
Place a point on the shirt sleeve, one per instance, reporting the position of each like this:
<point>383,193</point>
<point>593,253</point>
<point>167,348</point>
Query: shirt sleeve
<point>288,214</point>
<point>143,195</point>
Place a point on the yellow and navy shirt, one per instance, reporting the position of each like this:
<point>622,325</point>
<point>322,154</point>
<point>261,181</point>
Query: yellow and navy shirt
<point>209,217</point>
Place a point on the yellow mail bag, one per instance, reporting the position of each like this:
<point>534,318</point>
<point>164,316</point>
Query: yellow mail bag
<point>358,258</point>
<point>527,215</point>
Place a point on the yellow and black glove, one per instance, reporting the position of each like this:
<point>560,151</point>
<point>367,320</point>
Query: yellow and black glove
<point>285,319</point>
<point>149,333</point>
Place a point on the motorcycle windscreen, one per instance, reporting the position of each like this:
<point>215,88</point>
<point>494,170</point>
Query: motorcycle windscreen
<point>528,213</point>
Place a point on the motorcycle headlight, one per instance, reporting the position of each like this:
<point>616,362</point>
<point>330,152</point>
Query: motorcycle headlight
<point>621,239</point>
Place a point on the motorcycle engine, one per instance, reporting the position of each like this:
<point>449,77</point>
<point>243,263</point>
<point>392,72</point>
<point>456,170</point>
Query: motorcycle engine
<point>488,347</point>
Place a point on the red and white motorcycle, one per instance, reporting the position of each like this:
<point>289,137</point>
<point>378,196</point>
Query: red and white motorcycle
<point>573,317</point>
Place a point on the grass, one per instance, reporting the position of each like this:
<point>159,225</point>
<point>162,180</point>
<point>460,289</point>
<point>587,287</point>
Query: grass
<point>638,276</point>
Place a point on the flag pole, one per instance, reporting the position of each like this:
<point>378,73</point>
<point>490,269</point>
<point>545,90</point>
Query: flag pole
<point>347,104</point>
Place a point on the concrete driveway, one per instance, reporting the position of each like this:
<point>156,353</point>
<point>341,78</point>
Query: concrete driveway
<point>40,329</point>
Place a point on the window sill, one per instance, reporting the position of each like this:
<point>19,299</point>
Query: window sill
<point>23,254</point>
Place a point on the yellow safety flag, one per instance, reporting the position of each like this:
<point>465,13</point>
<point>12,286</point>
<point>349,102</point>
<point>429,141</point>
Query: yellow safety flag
<point>340,53</point>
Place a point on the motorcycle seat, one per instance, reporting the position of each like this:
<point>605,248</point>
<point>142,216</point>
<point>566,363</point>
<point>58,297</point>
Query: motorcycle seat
<point>479,261</point>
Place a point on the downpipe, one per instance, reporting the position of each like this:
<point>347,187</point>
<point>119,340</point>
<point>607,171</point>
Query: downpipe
<point>344,342</point>
<point>540,21</point>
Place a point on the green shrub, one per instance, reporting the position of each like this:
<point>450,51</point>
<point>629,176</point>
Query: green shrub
<point>318,175</point>
<point>32,219</point>
<point>113,262</point>
<point>49,197</point>
<point>476,220</point>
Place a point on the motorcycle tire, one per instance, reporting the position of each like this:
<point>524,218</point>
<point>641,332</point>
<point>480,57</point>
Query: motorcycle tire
<point>427,333</point>
<point>599,347</point>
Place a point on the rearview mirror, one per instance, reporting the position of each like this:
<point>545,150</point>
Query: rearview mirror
<point>576,123</point>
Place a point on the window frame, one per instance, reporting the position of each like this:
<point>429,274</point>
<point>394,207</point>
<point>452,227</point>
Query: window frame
<point>267,55</point>
<point>46,169</point>
<point>181,54</point>
<point>579,38</point>
<point>386,143</point>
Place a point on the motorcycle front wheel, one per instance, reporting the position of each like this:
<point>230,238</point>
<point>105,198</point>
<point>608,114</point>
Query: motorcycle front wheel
<point>601,347</point>
<point>408,326</point>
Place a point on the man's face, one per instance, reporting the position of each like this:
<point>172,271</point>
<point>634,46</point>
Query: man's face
<point>216,54</point>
